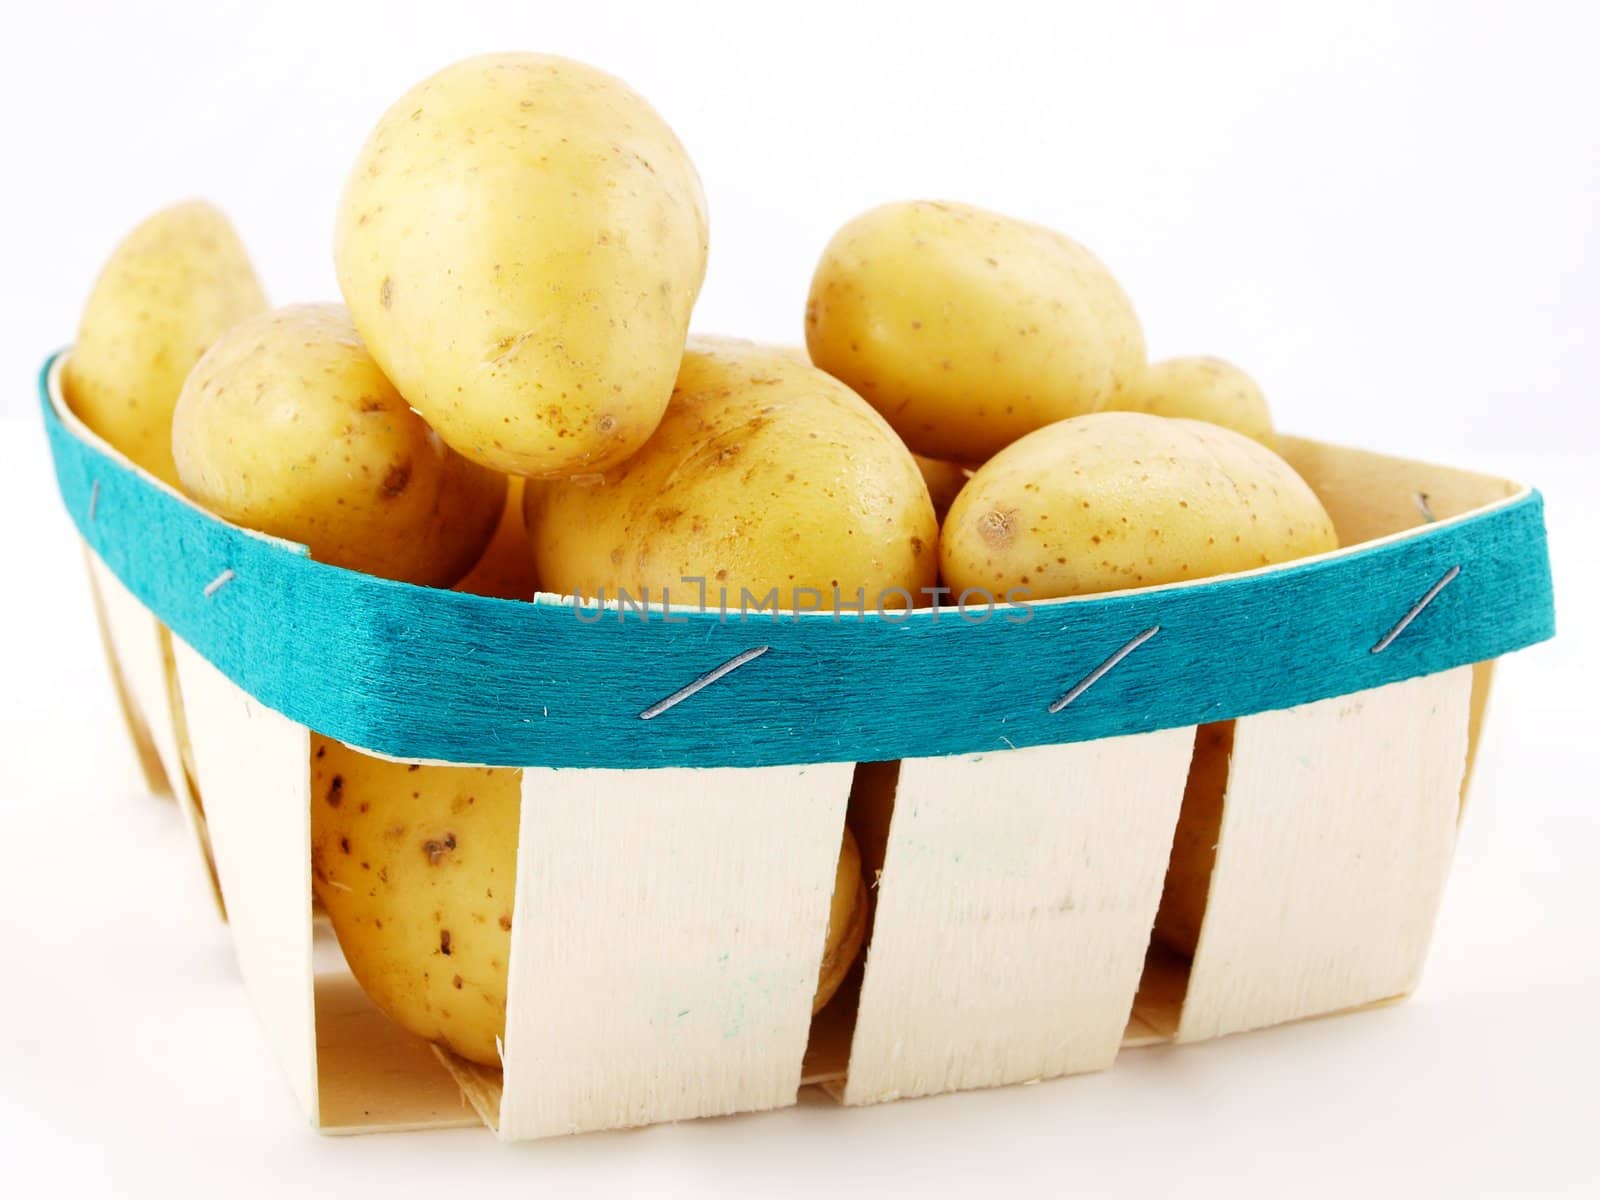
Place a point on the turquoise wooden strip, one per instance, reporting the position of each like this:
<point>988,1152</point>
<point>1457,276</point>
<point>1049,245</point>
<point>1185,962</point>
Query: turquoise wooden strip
<point>418,673</point>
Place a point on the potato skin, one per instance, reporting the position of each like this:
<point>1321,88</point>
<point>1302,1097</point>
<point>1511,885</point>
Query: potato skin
<point>967,329</point>
<point>169,290</point>
<point>288,427</point>
<point>416,867</point>
<point>520,244</point>
<point>764,474</point>
<point>847,922</point>
<point>1203,389</point>
<point>1123,500</point>
<point>1194,843</point>
<point>506,567</point>
<point>945,481</point>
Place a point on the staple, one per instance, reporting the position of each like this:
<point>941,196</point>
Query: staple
<point>1093,677</point>
<point>217,584</point>
<point>705,681</point>
<point>94,499</point>
<point>1427,599</point>
<point>1424,509</point>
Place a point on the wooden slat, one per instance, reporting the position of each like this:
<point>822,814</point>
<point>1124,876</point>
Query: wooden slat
<point>144,747</point>
<point>1338,826</point>
<point>1014,912</point>
<point>666,938</point>
<point>142,650</point>
<point>254,769</point>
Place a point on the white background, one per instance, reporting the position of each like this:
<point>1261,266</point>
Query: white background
<point>1387,213</point>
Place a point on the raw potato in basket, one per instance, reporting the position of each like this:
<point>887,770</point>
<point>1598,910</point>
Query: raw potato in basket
<point>1122,500</point>
<point>967,329</point>
<point>288,427</point>
<point>1203,389</point>
<point>765,474</point>
<point>170,289</point>
<point>520,243</point>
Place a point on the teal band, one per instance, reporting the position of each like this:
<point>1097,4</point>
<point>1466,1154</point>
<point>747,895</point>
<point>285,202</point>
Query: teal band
<point>418,673</point>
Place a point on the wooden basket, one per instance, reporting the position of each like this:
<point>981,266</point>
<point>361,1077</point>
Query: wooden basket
<point>1014,783</point>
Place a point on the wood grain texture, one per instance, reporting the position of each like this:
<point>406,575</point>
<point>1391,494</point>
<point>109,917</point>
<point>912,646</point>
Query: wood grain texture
<point>1371,496</point>
<point>254,765</point>
<point>142,650</point>
<point>1482,686</point>
<point>1338,827</point>
<point>1014,911</point>
<point>665,942</point>
<point>144,748</point>
<point>373,1076</point>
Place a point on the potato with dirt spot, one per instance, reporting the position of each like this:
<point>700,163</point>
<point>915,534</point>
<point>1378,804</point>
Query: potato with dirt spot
<point>520,243</point>
<point>288,427</point>
<point>765,475</point>
<point>967,329</point>
<point>1203,389</point>
<point>170,289</point>
<point>416,867</point>
<point>1124,500</point>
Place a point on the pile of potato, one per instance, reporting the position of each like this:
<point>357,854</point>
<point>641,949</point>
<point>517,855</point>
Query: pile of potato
<point>510,398</point>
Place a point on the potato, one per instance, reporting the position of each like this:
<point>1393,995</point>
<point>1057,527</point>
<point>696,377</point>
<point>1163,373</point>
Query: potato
<point>416,867</point>
<point>967,329</point>
<point>1204,389</point>
<point>847,923</point>
<point>520,244</point>
<point>288,427</point>
<point>764,476</point>
<point>506,568</point>
<point>1124,500</point>
<point>173,286</point>
<point>944,479</point>
<point>1194,843</point>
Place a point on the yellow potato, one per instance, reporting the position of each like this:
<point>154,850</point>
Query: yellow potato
<point>1123,500</point>
<point>967,329</point>
<point>288,427</point>
<point>1205,389</point>
<point>173,286</point>
<point>520,244</point>
<point>1194,844</point>
<point>506,568</point>
<point>847,923</point>
<point>765,476</point>
<point>416,867</point>
<point>944,479</point>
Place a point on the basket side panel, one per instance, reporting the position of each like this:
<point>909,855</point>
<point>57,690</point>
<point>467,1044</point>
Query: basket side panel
<point>1338,827</point>
<point>1482,685</point>
<point>1014,911</point>
<point>666,937</point>
<point>144,748</point>
<point>254,769</point>
<point>373,1076</point>
<point>141,648</point>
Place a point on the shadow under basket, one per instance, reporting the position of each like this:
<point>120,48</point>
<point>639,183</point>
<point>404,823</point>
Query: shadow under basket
<point>1016,779</point>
